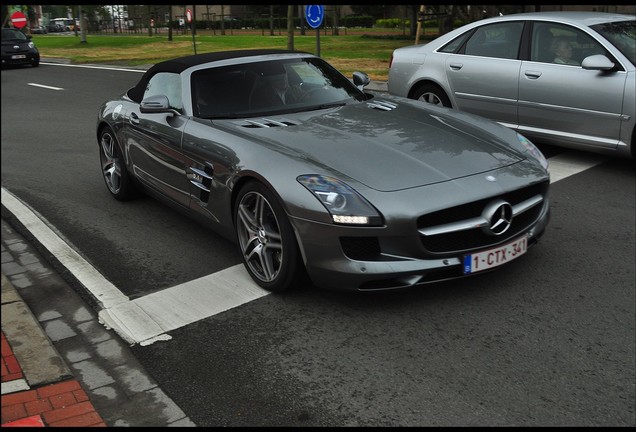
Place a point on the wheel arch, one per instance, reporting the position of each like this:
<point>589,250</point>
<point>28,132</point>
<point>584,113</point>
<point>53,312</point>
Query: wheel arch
<point>428,81</point>
<point>252,176</point>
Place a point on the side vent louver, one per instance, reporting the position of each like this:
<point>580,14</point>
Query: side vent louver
<point>382,105</point>
<point>266,123</point>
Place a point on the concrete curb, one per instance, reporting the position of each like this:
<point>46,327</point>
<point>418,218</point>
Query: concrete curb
<point>40,361</point>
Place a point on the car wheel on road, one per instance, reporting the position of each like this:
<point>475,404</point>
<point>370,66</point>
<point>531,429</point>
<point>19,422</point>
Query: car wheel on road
<point>113,168</point>
<point>430,93</point>
<point>266,239</point>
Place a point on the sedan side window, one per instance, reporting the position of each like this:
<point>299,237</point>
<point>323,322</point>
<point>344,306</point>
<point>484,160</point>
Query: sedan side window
<point>168,84</point>
<point>561,44</point>
<point>496,40</point>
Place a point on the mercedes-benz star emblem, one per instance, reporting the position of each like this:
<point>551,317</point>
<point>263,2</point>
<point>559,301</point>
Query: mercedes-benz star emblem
<point>499,216</point>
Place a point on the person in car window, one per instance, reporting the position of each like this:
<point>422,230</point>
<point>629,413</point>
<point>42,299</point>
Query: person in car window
<point>275,89</point>
<point>563,51</point>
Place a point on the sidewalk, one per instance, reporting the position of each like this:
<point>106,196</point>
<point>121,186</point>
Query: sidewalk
<point>37,387</point>
<point>60,365</point>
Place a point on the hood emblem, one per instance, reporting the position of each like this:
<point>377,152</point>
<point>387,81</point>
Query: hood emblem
<point>16,46</point>
<point>498,216</point>
<point>491,178</point>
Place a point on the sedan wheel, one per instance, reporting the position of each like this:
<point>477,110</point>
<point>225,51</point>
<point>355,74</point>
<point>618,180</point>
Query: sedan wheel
<point>266,239</point>
<point>433,95</point>
<point>113,168</point>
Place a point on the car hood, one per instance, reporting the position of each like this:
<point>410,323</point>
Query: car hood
<point>388,145</point>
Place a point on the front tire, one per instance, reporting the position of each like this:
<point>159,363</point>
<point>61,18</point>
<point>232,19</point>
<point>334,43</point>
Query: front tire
<point>266,239</point>
<point>114,170</point>
<point>432,94</point>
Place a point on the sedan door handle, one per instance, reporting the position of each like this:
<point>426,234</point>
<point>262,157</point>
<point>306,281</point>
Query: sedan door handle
<point>134,119</point>
<point>456,66</point>
<point>533,74</point>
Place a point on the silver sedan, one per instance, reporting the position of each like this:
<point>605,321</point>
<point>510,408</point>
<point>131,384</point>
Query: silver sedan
<point>561,78</point>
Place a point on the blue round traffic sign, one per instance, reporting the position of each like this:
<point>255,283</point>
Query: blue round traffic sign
<point>314,14</point>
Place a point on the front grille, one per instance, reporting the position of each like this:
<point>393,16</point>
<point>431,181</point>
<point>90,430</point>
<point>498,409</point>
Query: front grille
<point>468,239</point>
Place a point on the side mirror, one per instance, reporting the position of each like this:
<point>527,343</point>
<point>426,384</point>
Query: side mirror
<point>155,104</point>
<point>597,62</point>
<point>360,79</point>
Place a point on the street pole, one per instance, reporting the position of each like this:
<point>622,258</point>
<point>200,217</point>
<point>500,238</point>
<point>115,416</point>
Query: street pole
<point>420,20</point>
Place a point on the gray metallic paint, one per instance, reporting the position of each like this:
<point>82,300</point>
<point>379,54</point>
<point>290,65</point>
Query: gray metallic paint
<point>406,162</point>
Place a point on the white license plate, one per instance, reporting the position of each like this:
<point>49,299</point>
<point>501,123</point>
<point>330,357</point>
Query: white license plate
<point>19,56</point>
<point>494,257</point>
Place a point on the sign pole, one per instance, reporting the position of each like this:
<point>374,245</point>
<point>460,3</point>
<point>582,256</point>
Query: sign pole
<point>314,14</point>
<point>191,21</point>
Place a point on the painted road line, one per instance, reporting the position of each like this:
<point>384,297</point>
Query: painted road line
<point>184,304</point>
<point>45,86</point>
<point>94,67</point>
<point>566,164</point>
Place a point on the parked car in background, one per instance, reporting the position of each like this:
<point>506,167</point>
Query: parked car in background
<point>507,69</point>
<point>18,49</point>
<point>53,27</point>
<point>39,30</point>
<point>309,174</point>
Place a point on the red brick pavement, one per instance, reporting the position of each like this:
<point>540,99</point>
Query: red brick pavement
<point>56,405</point>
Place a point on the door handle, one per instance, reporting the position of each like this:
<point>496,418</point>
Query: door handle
<point>134,119</point>
<point>533,74</point>
<point>456,66</point>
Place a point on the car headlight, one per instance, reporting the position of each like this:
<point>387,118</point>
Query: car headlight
<point>346,206</point>
<point>31,45</point>
<point>533,150</point>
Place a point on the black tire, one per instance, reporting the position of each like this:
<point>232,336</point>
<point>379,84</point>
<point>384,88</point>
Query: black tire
<point>114,170</point>
<point>430,93</point>
<point>266,239</point>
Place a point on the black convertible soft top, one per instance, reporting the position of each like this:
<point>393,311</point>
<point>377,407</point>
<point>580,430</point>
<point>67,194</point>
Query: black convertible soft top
<point>180,64</point>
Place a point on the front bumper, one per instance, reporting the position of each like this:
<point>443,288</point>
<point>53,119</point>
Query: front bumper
<point>397,256</point>
<point>16,59</point>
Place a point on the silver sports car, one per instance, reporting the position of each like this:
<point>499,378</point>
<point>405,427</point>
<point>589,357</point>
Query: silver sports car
<point>313,176</point>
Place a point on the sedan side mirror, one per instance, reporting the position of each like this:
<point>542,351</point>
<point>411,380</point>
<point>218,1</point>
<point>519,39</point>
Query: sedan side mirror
<point>597,62</point>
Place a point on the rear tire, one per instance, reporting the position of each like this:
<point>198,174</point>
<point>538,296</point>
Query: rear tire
<point>266,239</point>
<point>430,93</point>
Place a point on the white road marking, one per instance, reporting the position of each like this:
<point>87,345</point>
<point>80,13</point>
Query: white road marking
<point>566,164</point>
<point>45,86</point>
<point>94,67</point>
<point>146,319</point>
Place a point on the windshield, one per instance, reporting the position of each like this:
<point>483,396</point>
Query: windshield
<point>622,35</point>
<point>13,34</point>
<point>270,87</point>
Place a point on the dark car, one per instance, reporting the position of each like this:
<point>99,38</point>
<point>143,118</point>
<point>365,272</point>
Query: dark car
<point>18,49</point>
<point>310,174</point>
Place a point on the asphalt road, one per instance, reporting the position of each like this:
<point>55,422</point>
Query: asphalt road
<point>547,341</point>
